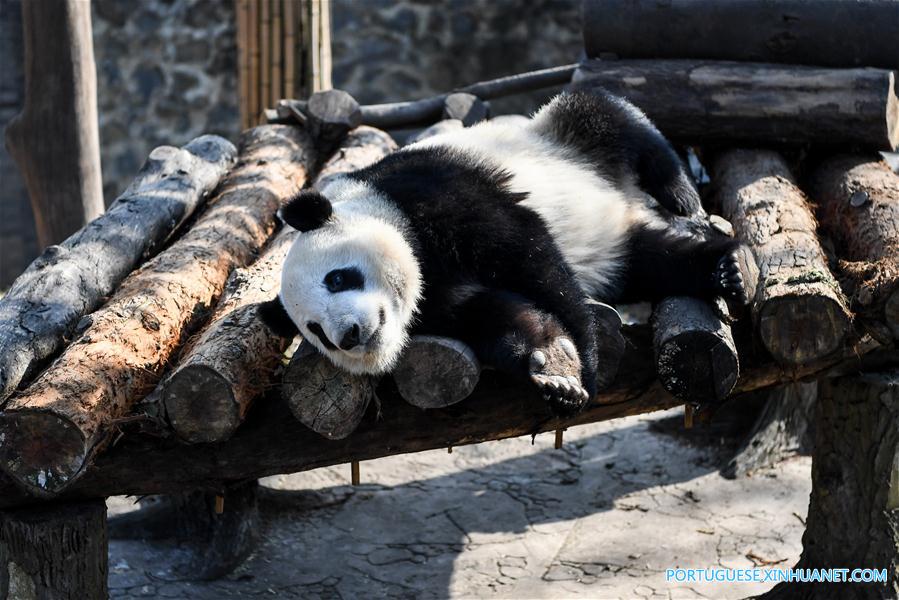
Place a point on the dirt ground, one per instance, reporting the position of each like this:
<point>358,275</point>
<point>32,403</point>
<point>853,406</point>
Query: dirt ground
<point>601,518</point>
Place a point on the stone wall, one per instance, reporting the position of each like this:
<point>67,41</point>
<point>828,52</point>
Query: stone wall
<point>166,71</point>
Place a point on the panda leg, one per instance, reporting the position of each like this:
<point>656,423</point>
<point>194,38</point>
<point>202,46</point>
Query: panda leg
<point>662,264</point>
<point>513,335</point>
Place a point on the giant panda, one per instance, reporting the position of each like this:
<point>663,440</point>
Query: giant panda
<point>496,235</point>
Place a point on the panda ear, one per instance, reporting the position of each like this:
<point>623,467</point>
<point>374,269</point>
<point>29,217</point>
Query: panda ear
<point>307,210</point>
<point>276,318</point>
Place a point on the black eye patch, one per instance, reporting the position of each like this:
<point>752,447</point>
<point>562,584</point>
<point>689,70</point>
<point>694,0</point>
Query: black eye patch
<point>341,280</point>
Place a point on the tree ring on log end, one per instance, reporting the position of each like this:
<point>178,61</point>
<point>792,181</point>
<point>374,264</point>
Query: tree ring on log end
<point>800,329</point>
<point>325,398</point>
<point>200,405</point>
<point>435,372</point>
<point>40,450</point>
<point>698,365</point>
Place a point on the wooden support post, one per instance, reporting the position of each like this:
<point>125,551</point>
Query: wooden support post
<point>799,308</point>
<point>354,472</point>
<point>703,102</point>
<point>696,357</point>
<point>858,207</point>
<point>56,551</point>
<point>853,518</point>
<point>465,107</point>
<point>231,362</point>
<point>559,438</point>
<point>44,305</point>
<point>54,428</point>
<point>55,140</point>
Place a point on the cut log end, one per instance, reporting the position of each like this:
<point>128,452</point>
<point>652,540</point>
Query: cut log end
<point>40,450</point>
<point>800,329</point>
<point>435,372</point>
<point>323,397</point>
<point>200,405</point>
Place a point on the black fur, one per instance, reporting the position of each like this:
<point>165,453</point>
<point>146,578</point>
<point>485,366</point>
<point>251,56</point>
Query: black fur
<point>274,316</point>
<point>307,210</point>
<point>622,142</point>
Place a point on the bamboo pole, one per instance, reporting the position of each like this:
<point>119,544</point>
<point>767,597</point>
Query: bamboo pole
<point>290,40</point>
<point>243,61</point>
<point>277,54</point>
<point>253,50</point>
<point>265,48</point>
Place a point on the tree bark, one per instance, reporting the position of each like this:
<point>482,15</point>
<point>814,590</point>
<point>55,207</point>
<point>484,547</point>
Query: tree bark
<point>40,311</point>
<point>799,309</point>
<point>52,429</point>
<point>696,357</point>
<point>272,441</point>
<point>727,102</point>
<point>54,551</point>
<point>858,205</point>
<point>233,360</point>
<point>853,518</point>
<point>783,429</point>
<point>55,140</point>
<point>834,34</point>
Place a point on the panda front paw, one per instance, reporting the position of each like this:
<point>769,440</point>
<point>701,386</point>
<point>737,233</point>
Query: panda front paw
<point>555,369</point>
<point>736,275</point>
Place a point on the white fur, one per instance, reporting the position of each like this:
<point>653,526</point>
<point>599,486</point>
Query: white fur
<point>365,232</point>
<point>588,216</point>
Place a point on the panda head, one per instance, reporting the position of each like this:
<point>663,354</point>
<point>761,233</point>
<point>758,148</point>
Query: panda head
<point>350,283</point>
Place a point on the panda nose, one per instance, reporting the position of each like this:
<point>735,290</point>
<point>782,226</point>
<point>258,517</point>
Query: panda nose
<point>350,339</point>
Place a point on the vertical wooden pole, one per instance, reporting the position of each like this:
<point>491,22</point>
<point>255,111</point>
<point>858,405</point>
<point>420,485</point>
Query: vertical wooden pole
<point>323,48</point>
<point>55,140</point>
<point>291,20</point>
<point>242,10</point>
<point>54,551</point>
<point>354,472</point>
<point>277,53</point>
<point>265,49</point>
<point>253,50</point>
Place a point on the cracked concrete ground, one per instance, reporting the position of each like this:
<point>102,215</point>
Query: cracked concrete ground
<point>601,518</point>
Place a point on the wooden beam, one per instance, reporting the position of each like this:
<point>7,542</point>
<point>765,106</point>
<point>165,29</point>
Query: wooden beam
<point>272,441</point>
<point>55,139</point>
<point>838,33</point>
<point>734,102</point>
<point>42,309</point>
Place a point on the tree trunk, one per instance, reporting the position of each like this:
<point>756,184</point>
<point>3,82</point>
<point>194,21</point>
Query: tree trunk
<point>54,552</point>
<point>853,518</point>
<point>703,102</point>
<point>272,441</point>
<point>858,205</point>
<point>52,429</point>
<point>799,309</point>
<point>836,34</point>
<point>231,362</point>
<point>43,306</point>
<point>55,140</point>
<point>783,429</point>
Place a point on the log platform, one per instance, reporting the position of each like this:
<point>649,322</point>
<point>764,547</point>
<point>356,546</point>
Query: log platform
<point>175,387</point>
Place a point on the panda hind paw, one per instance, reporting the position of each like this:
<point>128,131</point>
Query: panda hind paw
<point>555,370</point>
<point>736,275</point>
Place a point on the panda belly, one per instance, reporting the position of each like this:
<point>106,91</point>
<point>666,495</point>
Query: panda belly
<point>588,217</point>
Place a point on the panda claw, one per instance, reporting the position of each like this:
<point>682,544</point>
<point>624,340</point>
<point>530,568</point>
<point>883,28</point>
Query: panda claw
<point>555,370</point>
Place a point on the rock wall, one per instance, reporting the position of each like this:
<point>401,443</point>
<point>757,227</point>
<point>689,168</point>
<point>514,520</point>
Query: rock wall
<point>167,72</point>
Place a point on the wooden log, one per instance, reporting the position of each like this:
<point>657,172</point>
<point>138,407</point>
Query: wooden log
<point>696,357</point>
<point>841,33</point>
<point>853,519</point>
<point>424,112</point>
<point>323,397</point>
<point>42,308</point>
<point>54,551</point>
<point>271,441</point>
<point>858,206</point>
<point>330,115</point>
<point>609,342</point>
<point>799,309</point>
<point>465,107</point>
<point>52,429</point>
<point>435,372</point>
<point>55,140</point>
<point>703,101</point>
<point>231,362</point>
